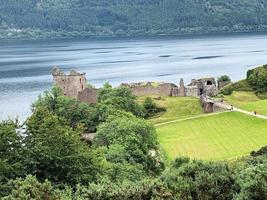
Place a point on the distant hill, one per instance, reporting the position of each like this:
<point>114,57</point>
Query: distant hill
<point>73,18</point>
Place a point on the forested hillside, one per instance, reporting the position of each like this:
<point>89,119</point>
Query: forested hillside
<point>69,18</point>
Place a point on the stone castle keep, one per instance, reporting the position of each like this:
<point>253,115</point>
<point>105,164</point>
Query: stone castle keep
<point>74,85</point>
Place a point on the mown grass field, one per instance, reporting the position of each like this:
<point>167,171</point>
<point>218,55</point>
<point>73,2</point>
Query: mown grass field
<point>221,136</point>
<point>177,108</point>
<point>248,101</point>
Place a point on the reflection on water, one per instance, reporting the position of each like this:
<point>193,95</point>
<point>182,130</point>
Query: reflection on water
<point>25,66</point>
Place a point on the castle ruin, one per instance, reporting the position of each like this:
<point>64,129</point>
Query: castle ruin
<point>197,88</point>
<point>74,85</point>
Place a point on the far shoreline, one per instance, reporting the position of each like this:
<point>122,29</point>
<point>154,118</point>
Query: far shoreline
<point>142,36</point>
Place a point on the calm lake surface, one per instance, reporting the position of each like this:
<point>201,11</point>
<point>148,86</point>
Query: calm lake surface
<point>25,66</point>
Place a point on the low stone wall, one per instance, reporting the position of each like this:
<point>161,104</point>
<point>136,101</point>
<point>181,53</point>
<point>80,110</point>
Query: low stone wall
<point>165,89</point>
<point>88,95</point>
<point>209,106</point>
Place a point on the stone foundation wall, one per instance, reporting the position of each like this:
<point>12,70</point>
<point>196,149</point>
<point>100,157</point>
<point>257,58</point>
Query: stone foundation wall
<point>88,95</point>
<point>191,91</point>
<point>165,89</point>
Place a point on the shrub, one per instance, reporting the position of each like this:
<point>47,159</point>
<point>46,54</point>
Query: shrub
<point>224,78</point>
<point>151,108</point>
<point>257,78</point>
<point>242,85</point>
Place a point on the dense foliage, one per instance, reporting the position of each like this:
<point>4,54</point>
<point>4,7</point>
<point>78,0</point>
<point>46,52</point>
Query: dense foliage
<point>257,78</point>
<point>72,18</point>
<point>45,158</point>
<point>256,81</point>
<point>224,78</point>
<point>242,85</point>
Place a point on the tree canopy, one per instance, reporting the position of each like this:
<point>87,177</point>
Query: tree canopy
<point>72,18</point>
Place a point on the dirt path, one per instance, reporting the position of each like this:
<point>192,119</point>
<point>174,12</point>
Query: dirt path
<point>228,107</point>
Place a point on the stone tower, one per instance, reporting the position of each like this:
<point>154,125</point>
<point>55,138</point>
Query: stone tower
<point>181,90</point>
<point>71,84</point>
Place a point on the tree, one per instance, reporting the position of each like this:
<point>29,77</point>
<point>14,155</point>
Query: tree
<point>55,151</point>
<point>75,112</point>
<point>200,180</point>
<point>121,98</point>
<point>257,78</point>
<point>30,188</point>
<point>11,153</point>
<point>253,183</point>
<point>135,136</point>
<point>106,189</point>
<point>224,78</point>
<point>151,107</point>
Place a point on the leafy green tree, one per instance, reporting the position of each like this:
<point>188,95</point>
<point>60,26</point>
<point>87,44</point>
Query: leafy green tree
<point>48,100</point>
<point>224,78</point>
<point>11,153</point>
<point>106,189</point>
<point>119,165</point>
<point>76,113</point>
<point>257,78</point>
<point>253,183</point>
<point>55,151</point>
<point>89,18</point>
<point>151,107</point>
<point>121,98</point>
<point>200,180</point>
<point>30,188</point>
<point>135,136</point>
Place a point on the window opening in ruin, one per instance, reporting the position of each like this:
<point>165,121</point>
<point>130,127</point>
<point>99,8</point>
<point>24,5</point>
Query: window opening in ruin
<point>82,87</point>
<point>80,80</point>
<point>200,91</point>
<point>209,83</point>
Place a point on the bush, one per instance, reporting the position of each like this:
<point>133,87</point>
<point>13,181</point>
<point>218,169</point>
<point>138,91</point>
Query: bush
<point>242,85</point>
<point>135,136</point>
<point>108,190</point>
<point>257,78</point>
<point>262,151</point>
<point>224,78</point>
<point>30,188</point>
<point>253,183</point>
<point>151,108</point>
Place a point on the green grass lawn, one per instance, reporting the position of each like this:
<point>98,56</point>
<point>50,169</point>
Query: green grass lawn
<point>221,136</point>
<point>248,101</point>
<point>177,108</point>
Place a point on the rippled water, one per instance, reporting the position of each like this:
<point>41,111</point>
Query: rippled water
<point>25,65</point>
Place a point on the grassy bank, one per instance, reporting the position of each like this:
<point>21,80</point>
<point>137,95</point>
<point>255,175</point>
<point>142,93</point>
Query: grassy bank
<point>248,101</point>
<point>221,136</point>
<point>176,108</point>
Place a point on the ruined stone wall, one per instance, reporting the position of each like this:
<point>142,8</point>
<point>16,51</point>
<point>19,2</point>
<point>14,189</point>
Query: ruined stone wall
<point>191,91</point>
<point>71,85</point>
<point>210,90</point>
<point>88,95</point>
<point>164,89</point>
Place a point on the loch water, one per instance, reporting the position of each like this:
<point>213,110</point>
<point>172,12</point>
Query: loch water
<point>25,66</point>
